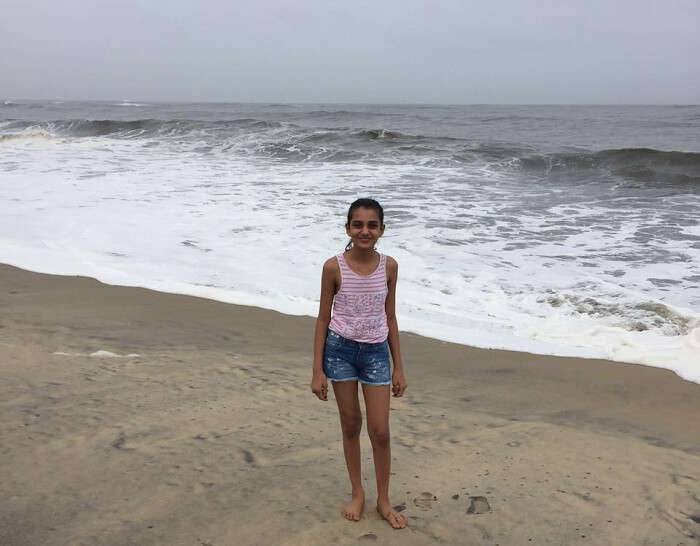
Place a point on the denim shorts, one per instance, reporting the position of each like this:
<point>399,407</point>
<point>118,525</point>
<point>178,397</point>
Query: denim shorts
<point>349,360</point>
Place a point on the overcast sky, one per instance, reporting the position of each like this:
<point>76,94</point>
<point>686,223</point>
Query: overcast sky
<point>395,51</point>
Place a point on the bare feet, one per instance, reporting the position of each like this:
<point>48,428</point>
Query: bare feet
<point>353,509</point>
<point>395,519</point>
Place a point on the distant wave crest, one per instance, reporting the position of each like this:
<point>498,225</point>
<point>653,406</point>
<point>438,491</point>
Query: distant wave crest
<point>379,133</point>
<point>31,134</point>
<point>134,128</point>
<point>641,164</point>
<point>290,142</point>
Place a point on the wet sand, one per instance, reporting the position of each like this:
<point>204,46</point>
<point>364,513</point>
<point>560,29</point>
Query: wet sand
<point>211,436</point>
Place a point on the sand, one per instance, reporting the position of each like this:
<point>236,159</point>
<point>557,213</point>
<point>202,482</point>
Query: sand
<point>129,416</point>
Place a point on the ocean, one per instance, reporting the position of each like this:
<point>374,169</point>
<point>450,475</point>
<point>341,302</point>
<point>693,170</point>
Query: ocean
<point>567,230</point>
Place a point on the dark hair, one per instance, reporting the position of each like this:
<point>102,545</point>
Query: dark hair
<point>365,203</point>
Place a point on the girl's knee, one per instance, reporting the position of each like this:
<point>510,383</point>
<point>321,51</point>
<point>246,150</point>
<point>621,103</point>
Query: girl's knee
<point>351,424</point>
<point>379,436</point>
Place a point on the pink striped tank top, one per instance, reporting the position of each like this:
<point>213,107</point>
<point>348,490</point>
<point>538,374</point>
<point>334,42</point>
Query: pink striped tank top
<point>359,311</point>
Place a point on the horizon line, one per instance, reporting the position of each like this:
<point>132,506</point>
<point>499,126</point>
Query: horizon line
<point>294,103</point>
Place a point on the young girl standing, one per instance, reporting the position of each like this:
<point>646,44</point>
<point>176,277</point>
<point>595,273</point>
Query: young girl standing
<point>352,344</point>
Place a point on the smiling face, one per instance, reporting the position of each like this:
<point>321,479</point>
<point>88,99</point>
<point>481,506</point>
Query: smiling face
<point>365,228</point>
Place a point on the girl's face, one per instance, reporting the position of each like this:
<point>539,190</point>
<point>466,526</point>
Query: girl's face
<point>365,228</point>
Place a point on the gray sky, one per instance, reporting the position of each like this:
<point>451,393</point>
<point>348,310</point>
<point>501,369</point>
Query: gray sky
<point>396,51</point>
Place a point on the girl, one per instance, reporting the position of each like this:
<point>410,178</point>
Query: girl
<point>353,345</point>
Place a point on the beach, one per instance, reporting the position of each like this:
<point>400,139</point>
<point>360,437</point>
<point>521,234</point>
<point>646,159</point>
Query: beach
<point>131,416</point>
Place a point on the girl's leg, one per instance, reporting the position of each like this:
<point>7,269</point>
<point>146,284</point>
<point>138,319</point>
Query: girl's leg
<point>351,425</point>
<point>377,405</point>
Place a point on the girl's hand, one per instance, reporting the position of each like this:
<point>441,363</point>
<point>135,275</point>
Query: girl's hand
<point>319,385</point>
<point>398,383</point>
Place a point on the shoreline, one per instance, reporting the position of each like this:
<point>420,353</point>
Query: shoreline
<point>208,293</point>
<point>211,433</point>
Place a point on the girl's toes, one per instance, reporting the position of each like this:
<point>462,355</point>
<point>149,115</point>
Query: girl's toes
<point>397,521</point>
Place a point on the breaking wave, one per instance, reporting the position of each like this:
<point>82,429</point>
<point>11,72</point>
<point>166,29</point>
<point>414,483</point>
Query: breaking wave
<point>284,140</point>
<point>643,164</point>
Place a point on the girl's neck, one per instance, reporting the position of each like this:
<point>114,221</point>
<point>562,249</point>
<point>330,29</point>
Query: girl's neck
<point>361,255</point>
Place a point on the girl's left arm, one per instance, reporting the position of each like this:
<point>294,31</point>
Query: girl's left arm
<point>398,378</point>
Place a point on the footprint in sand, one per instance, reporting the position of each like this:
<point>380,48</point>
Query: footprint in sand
<point>119,442</point>
<point>425,500</point>
<point>478,505</point>
<point>247,456</point>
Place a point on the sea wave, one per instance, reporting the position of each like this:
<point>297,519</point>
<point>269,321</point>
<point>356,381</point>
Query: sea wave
<point>25,135</point>
<point>350,114</point>
<point>639,316</point>
<point>373,134</point>
<point>640,164</point>
<point>134,128</point>
<point>621,157</point>
<point>291,142</point>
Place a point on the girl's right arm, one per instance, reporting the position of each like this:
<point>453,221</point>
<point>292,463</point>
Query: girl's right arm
<point>319,382</point>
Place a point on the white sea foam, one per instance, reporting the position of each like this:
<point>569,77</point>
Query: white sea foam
<point>245,230</point>
<point>98,354</point>
<point>27,134</point>
<point>108,354</point>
